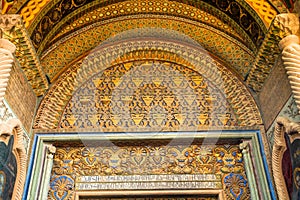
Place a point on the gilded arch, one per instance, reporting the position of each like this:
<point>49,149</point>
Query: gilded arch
<point>184,53</point>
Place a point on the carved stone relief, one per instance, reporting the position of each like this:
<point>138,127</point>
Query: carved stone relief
<point>282,26</point>
<point>147,165</point>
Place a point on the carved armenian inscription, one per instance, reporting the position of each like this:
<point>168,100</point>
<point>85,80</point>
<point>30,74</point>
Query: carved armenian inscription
<point>176,181</point>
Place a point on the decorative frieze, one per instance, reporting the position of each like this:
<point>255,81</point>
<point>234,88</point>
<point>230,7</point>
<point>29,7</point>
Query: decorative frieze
<point>148,165</point>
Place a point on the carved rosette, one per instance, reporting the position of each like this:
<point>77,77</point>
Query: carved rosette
<point>6,60</point>
<point>291,60</point>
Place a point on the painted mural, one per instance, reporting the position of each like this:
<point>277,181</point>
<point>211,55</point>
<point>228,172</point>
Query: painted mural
<point>8,169</point>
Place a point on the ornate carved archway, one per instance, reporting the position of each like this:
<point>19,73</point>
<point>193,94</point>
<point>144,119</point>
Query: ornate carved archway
<point>112,56</point>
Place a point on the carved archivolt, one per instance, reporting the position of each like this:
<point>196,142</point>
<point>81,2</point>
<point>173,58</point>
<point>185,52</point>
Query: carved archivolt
<point>291,61</point>
<point>6,60</point>
<point>13,128</point>
<point>190,56</point>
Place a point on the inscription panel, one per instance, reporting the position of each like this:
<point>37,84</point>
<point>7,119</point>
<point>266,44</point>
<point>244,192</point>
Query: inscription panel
<point>147,165</point>
<point>133,182</point>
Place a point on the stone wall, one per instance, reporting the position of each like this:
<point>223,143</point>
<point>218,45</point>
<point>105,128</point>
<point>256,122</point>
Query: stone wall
<point>20,97</point>
<point>274,94</point>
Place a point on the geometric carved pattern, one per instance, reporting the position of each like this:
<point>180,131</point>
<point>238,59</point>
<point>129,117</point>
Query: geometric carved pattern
<point>156,7</point>
<point>121,158</point>
<point>235,93</point>
<point>147,96</point>
<point>83,41</point>
<point>234,11</point>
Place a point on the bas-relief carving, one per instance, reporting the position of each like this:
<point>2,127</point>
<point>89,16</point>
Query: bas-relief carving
<point>138,164</point>
<point>14,158</point>
<point>51,108</point>
<point>288,26</point>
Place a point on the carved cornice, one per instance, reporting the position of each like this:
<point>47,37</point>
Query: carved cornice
<point>13,128</point>
<point>14,30</point>
<point>54,102</point>
<point>282,126</point>
<point>282,26</point>
<point>6,60</point>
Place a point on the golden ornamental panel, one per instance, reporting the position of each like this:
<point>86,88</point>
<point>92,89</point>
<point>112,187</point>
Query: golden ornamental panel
<point>110,164</point>
<point>51,108</point>
<point>147,96</point>
<point>31,10</point>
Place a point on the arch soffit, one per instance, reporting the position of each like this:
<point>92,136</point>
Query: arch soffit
<point>237,95</point>
<point>219,20</point>
<point>26,8</point>
<point>60,55</point>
